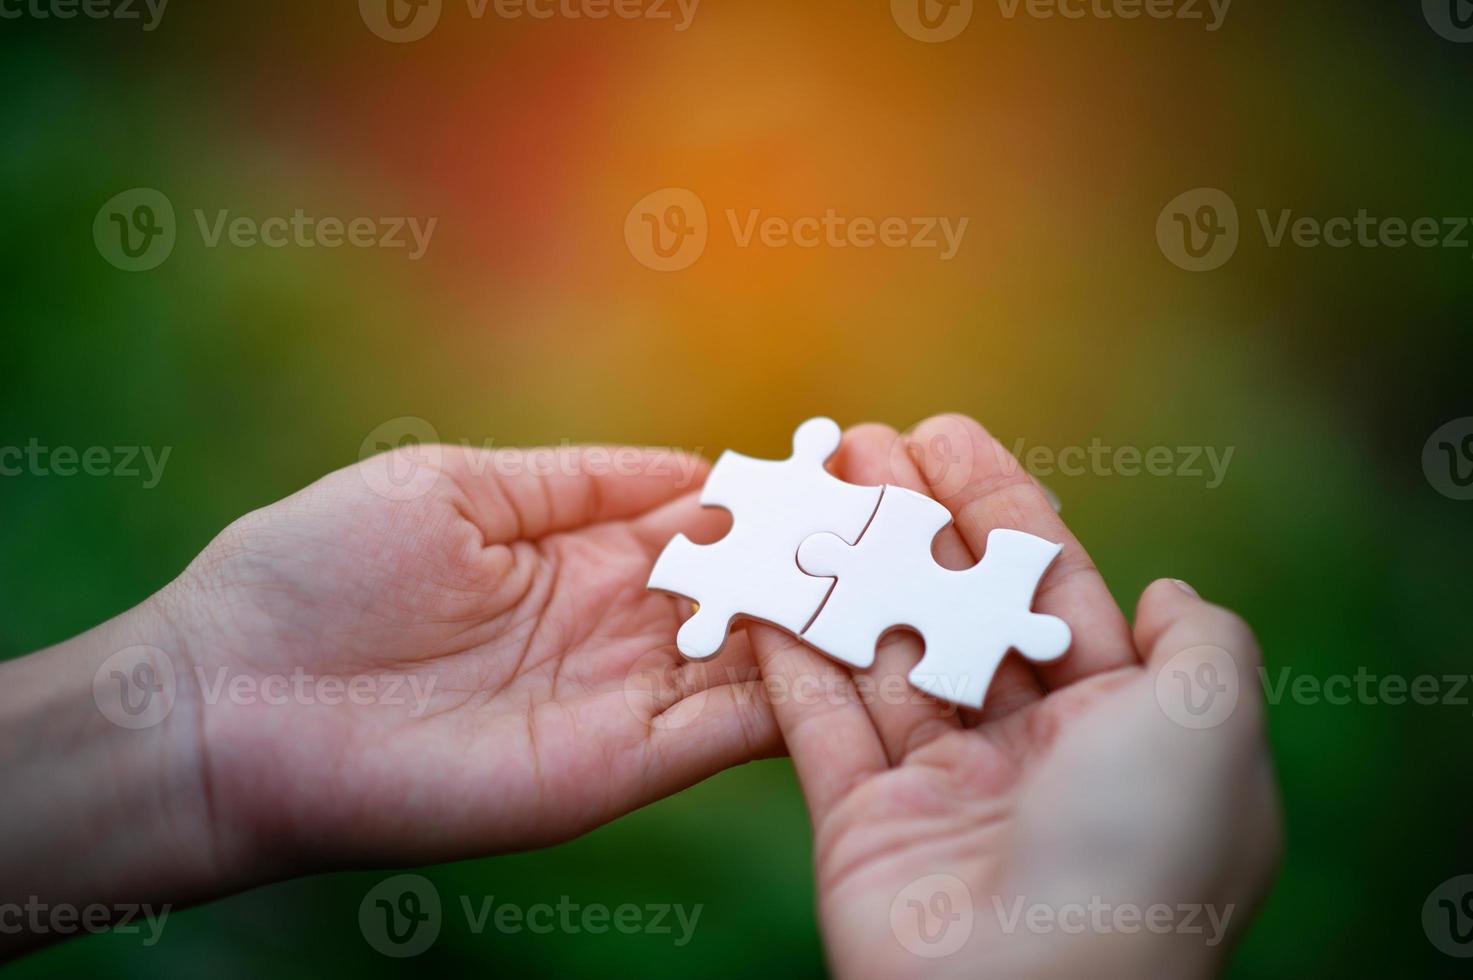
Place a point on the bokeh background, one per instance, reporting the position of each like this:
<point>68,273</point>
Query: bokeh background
<point>531,320</point>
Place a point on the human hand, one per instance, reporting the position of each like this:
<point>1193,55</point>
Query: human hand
<point>1036,837</point>
<point>507,589</point>
<point>384,668</point>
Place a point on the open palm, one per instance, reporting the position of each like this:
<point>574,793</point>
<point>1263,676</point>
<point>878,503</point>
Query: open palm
<point>440,652</point>
<point>970,844</point>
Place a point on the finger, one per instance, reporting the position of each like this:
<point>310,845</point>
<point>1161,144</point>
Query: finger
<point>812,700</point>
<point>986,488</point>
<point>1014,685</point>
<point>1179,633</point>
<point>830,737</point>
<point>656,726</point>
<point>904,717</point>
<point>524,494</point>
<point>1203,664</point>
<point>703,716</point>
<point>683,515</point>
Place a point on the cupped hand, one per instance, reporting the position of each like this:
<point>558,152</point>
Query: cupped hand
<point>1098,817</point>
<point>442,652</point>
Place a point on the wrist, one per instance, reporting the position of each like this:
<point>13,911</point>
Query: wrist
<point>101,757</point>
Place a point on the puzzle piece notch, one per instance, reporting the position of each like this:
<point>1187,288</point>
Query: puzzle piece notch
<point>969,619</point>
<point>753,571</point>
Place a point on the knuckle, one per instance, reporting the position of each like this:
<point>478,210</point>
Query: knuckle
<point>872,432</point>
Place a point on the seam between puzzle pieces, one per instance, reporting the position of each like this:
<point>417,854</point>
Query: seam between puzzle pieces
<point>834,580</point>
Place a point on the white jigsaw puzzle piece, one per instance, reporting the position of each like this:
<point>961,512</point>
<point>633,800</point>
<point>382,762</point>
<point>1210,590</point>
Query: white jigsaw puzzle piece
<point>753,571</point>
<point>969,619</point>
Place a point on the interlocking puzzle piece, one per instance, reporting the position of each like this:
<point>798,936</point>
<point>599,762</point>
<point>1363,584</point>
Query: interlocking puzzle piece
<point>753,571</point>
<point>969,619</point>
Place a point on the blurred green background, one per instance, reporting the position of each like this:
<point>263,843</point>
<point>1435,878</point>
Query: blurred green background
<point>531,320</point>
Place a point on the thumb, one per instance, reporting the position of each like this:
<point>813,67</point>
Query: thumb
<point>1201,656</point>
<point>1205,664</point>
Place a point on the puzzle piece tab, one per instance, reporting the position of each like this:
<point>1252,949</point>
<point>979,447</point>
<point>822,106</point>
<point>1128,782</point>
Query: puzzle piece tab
<point>969,619</point>
<point>753,571</point>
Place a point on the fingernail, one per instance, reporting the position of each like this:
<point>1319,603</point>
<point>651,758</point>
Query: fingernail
<point>1186,588</point>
